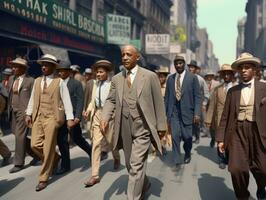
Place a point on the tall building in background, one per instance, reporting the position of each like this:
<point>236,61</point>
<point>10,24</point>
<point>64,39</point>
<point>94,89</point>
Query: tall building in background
<point>240,37</point>
<point>202,51</point>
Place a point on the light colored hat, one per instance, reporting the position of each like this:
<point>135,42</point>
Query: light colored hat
<point>103,63</point>
<point>177,57</point>
<point>7,71</point>
<point>75,68</point>
<point>88,71</point>
<point>210,73</point>
<point>19,62</point>
<point>162,70</point>
<point>48,58</point>
<point>225,67</point>
<point>246,58</point>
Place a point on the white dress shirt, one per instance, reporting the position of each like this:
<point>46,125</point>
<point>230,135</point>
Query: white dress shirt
<point>246,91</point>
<point>227,86</point>
<point>105,88</point>
<point>182,76</point>
<point>64,93</point>
<point>20,80</point>
<point>133,73</point>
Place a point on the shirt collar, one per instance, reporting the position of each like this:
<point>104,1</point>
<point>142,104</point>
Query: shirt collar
<point>66,80</point>
<point>249,82</point>
<point>51,76</point>
<point>134,70</point>
<point>20,77</point>
<point>182,74</point>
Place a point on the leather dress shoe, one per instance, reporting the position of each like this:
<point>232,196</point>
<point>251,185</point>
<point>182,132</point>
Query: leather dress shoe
<point>116,164</point>
<point>15,169</point>
<point>34,162</point>
<point>261,194</point>
<point>187,159</point>
<point>62,171</point>
<point>41,185</point>
<point>222,165</point>
<point>92,181</point>
<point>6,161</point>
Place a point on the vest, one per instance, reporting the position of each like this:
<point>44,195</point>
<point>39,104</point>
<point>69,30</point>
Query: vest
<point>48,103</point>
<point>130,101</point>
<point>246,111</point>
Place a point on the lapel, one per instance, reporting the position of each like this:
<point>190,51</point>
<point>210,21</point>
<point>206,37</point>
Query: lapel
<point>70,84</point>
<point>221,93</point>
<point>139,80</point>
<point>237,98</point>
<point>172,83</point>
<point>258,91</point>
<point>184,82</point>
<point>11,84</point>
<point>23,82</point>
<point>121,80</point>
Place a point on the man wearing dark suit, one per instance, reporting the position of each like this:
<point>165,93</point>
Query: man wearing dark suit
<point>183,107</point>
<point>242,129</point>
<point>136,101</point>
<point>77,99</point>
<point>19,87</point>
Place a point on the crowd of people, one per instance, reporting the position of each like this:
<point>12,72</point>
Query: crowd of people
<point>138,111</point>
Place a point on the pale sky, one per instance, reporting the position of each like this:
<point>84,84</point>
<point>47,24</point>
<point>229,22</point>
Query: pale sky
<point>220,17</point>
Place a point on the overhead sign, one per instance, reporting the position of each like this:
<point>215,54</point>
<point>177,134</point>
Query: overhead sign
<point>118,29</point>
<point>157,43</point>
<point>51,13</point>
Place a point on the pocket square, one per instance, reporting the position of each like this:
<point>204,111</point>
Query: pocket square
<point>25,89</point>
<point>263,101</point>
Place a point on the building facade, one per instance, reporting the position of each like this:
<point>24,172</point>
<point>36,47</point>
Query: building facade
<point>240,37</point>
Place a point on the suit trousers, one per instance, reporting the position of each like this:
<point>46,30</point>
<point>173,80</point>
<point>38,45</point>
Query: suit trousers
<point>20,130</point>
<point>63,145</point>
<point>246,152</point>
<point>180,131</point>
<point>136,139</point>
<point>97,142</point>
<point>4,151</point>
<point>43,143</point>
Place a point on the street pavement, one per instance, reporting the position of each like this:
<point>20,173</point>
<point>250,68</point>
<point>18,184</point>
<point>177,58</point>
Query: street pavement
<point>201,179</point>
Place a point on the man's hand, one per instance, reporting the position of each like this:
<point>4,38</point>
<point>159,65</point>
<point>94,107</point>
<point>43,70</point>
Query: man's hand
<point>28,121</point>
<point>221,147</point>
<point>103,126</point>
<point>85,114</point>
<point>70,123</point>
<point>161,134</point>
<point>76,121</point>
<point>196,119</point>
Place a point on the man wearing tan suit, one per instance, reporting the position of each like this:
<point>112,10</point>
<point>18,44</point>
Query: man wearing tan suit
<point>216,106</point>
<point>49,104</point>
<point>136,100</point>
<point>19,87</point>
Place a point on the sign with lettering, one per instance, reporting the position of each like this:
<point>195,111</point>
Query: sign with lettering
<point>157,43</point>
<point>55,15</point>
<point>118,29</point>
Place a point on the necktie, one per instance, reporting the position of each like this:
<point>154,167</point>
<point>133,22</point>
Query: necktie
<point>128,78</point>
<point>100,101</point>
<point>15,86</point>
<point>178,88</point>
<point>44,84</point>
<point>243,85</point>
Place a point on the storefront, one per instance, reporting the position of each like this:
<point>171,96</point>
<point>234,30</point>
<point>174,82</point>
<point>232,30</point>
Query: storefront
<point>27,25</point>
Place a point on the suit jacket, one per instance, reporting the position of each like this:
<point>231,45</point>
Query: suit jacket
<point>77,97</point>
<point>228,121</point>
<point>190,97</point>
<point>149,101</point>
<point>88,93</point>
<point>23,94</point>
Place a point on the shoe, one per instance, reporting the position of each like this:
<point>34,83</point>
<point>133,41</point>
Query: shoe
<point>187,159</point>
<point>222,165</point>
<point>62,171</point>
<point>212,143</point>
<point>104,155</point>
<point>6,161</point>
<point>15,169</point>
<point>34,162</point>
<point>92,181</point>
<point>41,185</point>
<point>116,164</point>
<point>261,194</point>
<point>145,190</point>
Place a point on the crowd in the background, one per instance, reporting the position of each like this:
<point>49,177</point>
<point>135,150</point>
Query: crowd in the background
<point>142,112</point>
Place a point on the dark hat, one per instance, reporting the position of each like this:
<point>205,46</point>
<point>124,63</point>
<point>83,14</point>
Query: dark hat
<point>103,63</point>
<point>64,65</point>
<point>177,57</point>
<point>48,58</point>
<point>193,63</point>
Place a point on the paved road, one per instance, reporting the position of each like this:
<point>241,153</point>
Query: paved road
<point>201,179</point>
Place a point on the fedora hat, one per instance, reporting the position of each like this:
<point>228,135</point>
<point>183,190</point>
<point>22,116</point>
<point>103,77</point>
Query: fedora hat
<point>88,71</point>
<point>64,65</point>
<point>48,58</point>
<point>210,73</point>
<point>193,63</point>
<point>19,62</point>
<point>225,67</point>
<point>178,57</point>
<point>103,63</point>
<point>75,68</point>
<point>7,71</point>
<point>246,58</point>
<point>162,70</point>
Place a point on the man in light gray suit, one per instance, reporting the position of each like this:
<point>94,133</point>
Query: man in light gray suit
<point>136,100</point>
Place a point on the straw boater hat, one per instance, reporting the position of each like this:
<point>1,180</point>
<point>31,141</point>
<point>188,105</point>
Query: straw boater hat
<point>193,63</point>
<point>48,58</point>
<point>162,70</point>
<point>177,57</point>
<point>225,67</point>
<point>246,58</point>
<point>19,62</point>
<point>7,71</point>
<point>103,63</point>
<point>88,71</point>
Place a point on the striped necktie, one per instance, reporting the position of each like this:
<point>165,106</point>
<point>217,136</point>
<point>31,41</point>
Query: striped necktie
<point>178,88</point>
